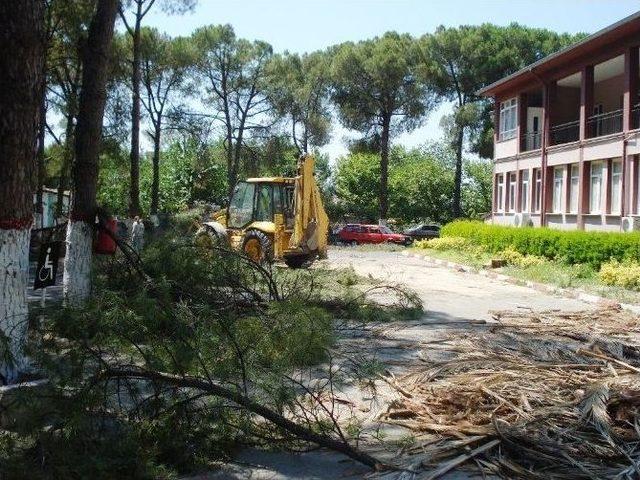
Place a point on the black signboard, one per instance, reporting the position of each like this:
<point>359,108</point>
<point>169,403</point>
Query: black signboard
<point>47,267</point>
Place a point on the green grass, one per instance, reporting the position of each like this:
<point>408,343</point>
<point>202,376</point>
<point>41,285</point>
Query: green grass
<point>551,273</point>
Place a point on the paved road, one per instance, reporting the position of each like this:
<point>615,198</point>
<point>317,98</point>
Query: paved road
<point>448,296</point>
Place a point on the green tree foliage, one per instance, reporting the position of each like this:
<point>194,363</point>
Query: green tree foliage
<point>461,60</point>
<point>132,13</point>
<point>356,178</point>
<point>420,185</point>
<point>377,91</point>
<point>232,72</point>
<point>189,173</point>
<point>165,65</point>
<point>298,89</point>
<point>477,187</point>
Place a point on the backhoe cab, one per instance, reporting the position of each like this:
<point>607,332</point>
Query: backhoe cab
<point>274,218</point>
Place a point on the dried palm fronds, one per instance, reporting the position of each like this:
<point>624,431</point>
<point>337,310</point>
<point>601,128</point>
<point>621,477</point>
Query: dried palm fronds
<point>555,395</point>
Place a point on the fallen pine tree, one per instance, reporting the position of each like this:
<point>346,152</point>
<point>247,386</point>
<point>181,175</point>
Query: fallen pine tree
<point>180,358</point>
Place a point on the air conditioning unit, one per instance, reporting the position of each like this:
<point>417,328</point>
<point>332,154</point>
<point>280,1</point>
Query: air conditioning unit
<point>522,220</point>
<point>630,224</point>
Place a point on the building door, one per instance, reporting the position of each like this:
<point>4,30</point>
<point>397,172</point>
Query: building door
<point>534,116</point>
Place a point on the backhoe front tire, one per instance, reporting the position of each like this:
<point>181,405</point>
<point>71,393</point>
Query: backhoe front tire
<point>206,237</point>
<point>258,246</point>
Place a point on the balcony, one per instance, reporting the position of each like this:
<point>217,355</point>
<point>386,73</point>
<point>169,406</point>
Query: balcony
<point>604,124</point>
<point>564,133</point>
<point>530,141</point>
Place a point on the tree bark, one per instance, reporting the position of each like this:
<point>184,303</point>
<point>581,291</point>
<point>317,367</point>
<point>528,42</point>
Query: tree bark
<point>95,57</point>
<point>134,188</point>
<point>42,170</point>
<point>384,167</point>
<point>155,183</point>
<point>67,161</point>
<point>457,185</point>
<point>22,56</point>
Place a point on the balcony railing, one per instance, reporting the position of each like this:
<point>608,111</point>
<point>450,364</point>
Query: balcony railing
<point>564,133</point>
<point>635,116</point>
<point>604,123</point>
<point>530,141</point>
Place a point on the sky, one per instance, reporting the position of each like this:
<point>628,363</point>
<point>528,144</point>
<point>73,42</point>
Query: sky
<point>307,25</point>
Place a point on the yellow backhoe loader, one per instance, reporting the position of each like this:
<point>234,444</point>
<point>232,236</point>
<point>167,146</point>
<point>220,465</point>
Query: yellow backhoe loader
<point>273,219</point>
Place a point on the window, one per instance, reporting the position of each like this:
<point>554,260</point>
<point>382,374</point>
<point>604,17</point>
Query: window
<point>508,119</point>
<point>512,192</point>
<point>500,193</point>
<point>616,185</point>
<point>558,175</point>
<point>524,191</point>
<point>241,205</point>
<point>574,188</point>
<point>595,187</point>
<point>538,190</point>
<point>264,204</point>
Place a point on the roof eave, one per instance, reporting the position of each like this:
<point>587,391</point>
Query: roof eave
<point>489,90</point>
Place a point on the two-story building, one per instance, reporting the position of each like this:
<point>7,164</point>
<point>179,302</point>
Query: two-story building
<point>567,138</point>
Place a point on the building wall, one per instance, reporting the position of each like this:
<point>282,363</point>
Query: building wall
<point>564,217</point>
<point>505,149</point>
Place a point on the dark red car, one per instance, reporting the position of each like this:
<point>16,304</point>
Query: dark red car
<point>356,234</point>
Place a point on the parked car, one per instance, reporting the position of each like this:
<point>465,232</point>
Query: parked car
<point>423,231</point>
<point>356,234</point>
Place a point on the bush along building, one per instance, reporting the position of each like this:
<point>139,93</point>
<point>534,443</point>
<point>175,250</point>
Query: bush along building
<point>567,138</point>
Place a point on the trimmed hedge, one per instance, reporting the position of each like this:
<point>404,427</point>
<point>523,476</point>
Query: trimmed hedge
<point>592,248</point>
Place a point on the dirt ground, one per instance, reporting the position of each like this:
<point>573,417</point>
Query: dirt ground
<point>450,299</point>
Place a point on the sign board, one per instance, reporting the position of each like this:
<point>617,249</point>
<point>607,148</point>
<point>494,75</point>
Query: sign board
<point>47,267</point>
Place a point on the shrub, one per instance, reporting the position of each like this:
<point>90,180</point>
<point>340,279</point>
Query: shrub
<point>444,243</point>
<point>513,257</point>
<point>621,274</point>
<point>590,248</point>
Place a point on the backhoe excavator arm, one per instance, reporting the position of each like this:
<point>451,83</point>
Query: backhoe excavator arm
<point>311,224</point>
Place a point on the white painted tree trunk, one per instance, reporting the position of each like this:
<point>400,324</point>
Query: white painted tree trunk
<point>77,263</point>
<point>14,313</point>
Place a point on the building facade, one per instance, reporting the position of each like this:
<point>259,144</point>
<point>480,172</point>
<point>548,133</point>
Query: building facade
<point>567,138</point>
<point>48,218</point>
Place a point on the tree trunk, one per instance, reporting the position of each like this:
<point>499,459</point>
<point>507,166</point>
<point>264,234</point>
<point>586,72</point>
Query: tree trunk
<point>231,168</point>
<point>155,184</point>
<point>384,168</point>
<point>67,161</point>
<point>42,171</point>
<point>457,185</point>
<point>95,57</point>
<point>134,189</point>
<point>276,418</point>
<point>21,90</point>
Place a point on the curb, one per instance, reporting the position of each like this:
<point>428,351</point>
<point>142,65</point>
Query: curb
<point>541,287</point>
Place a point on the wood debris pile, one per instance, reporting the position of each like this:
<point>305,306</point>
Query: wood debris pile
<point>551,395</point>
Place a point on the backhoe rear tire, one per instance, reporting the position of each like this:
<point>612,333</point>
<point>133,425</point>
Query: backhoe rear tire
<point>258,246</point>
